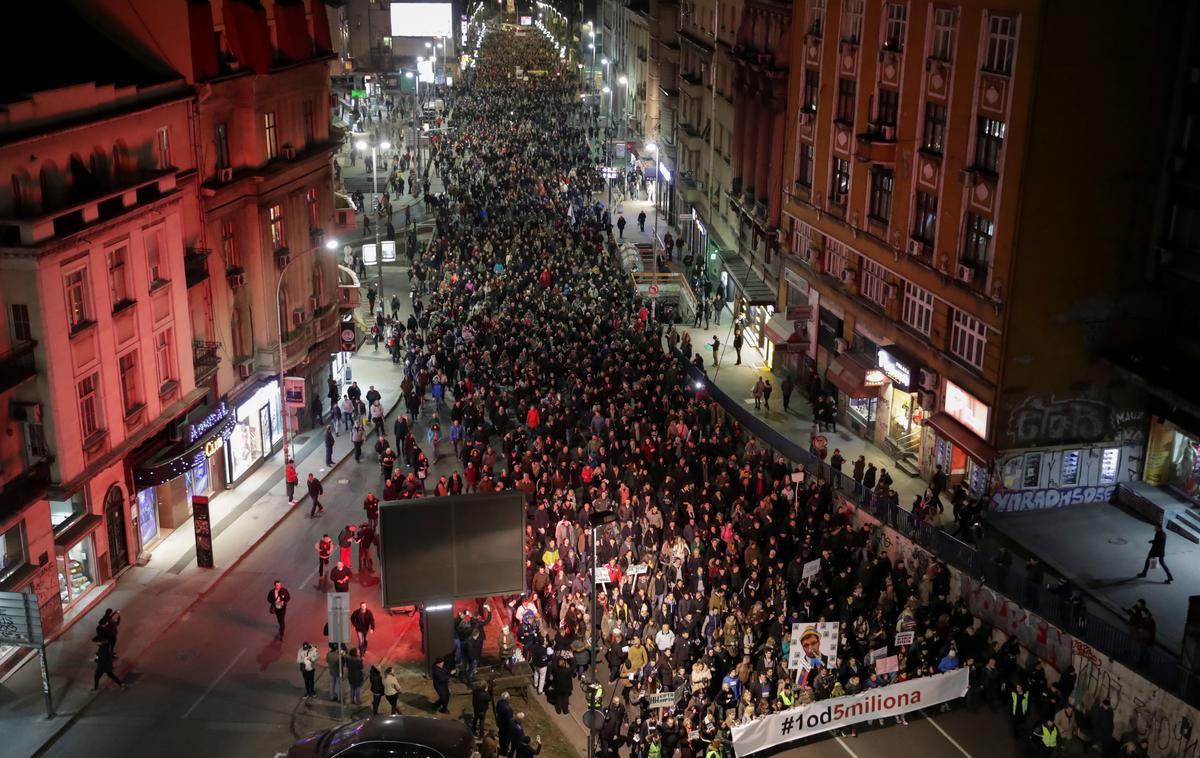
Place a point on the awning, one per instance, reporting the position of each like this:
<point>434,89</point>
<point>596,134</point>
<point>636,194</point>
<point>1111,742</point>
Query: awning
<point>779,330</point>
<point>849,374</point>
<point>82,527</point>
<point>949,427</point>
<point>754,289</point>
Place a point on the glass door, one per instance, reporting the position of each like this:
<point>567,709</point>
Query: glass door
<point>265,429</point>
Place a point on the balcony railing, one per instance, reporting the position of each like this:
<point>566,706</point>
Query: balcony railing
<point>24,488</point>
<point>205,360</point>
<point>195,266</point>
<point>17,365</point>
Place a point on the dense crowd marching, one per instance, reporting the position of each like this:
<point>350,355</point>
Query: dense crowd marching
<point>562,389</point>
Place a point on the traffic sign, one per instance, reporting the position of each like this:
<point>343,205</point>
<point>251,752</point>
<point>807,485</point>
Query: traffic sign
<point>338,606</point>
<point>652,290</point>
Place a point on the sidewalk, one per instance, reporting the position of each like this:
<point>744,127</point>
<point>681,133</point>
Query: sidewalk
<point>738,380</point>
<point>155,597</point>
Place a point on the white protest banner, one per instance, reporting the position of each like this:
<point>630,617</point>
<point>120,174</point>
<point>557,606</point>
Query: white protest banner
<point>661,700</point>
<point>826,715</point>
<point>904,638</point>
<point>876,654</point>
<point>888,664</point>
<point>811,569</point>
<point>637,568</point>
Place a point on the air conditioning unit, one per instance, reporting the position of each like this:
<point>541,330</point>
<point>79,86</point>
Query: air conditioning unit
<point>314,302</point>
<point>943,263</point>
<point>806,118</point>
<point>236,280</point>
<point>927,379</point>
<point>224,175</point>
<point>916,247</point>
<point>997,292</point>
<point>966,177</point>
<point>965,274</point>
<point>889,292</point>
<point>282,258</point>
<point>810,254</point>
<point>848,276</point>
<point>888,132</point>
<point>288,152</point>
<point>927,399</point>
<point>840,345</point>
<point>244,370</point>
<point>299,317</point>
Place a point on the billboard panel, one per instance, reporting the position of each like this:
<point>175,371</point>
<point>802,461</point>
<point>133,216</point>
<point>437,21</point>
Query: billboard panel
<point>421,20</point>
<point>437,549</point>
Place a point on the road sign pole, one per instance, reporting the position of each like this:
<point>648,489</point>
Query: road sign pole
<point>45,670</point>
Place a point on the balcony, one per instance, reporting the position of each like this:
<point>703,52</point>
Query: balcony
<point>205,360</point>
<point>29,231</point>
<point>195,266</point>
<point>24,488</point>
<point>877,144</point>
<point>17,365</point>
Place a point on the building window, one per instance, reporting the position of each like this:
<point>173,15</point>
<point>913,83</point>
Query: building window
<point>222,146</point>
<point>805,171</point>
<point>163,359</point>
<point>918,308</point>
<point>847,89</point>
<point>874,282</point>
<point>89,405</point>
<point>934,134</point>
<point>1002,43</point>
<point>881,195</point>
<point>897,21</point>
<point>310,132</point>
<point>164,148</point>
<point>131,394</point>
<point>272,135</point>
<point>278,238</point>
<point>229,248</point>
<point>816,16</point>
<point>78,310</point>
<point>968,338</point>
<point>14,552</point>
<point>21,329</point>
<point>839,190</point>
<point>889,106</point>
<point>925,220</point>
<point>836,258</point>
<point>118,277</point>
<point>156,261</point>
<point>812,85</point>
<point>989,140</point>
<point>944,24</point>
<point>314,211</point>
<point>852,20</point>
<point>978,248</point>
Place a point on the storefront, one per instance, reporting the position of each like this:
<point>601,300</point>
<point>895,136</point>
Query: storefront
<point>195,466</point>
<point>664,193</point>
<point>1173,458</point>
<point>958,440</point>
<point>902,400</point>
<point>258,430</point>
<point>830,328</point>
<point>75,554</point>
<point>787,343</point>
<point>858,382</point>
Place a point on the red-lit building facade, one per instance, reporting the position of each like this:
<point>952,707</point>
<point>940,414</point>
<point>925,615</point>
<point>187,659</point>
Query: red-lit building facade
<point>155,202</point>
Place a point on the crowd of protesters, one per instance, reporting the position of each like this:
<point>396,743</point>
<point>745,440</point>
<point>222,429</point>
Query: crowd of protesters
<point>562,388</point>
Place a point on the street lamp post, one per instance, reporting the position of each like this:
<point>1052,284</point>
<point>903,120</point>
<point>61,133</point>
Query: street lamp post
<point>608,150</point>
<point>597,520</point>
<point>384,145</point>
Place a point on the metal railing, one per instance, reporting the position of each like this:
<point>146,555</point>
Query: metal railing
<point>1029,589</point>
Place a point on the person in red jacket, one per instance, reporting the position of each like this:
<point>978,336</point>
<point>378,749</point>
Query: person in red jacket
<point>544,278</point>
<point>292,478</point>
<point>533,419</point>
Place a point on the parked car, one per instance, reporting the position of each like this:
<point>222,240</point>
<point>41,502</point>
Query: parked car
<point>389,737</point>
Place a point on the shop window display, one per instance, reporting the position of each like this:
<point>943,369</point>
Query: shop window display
<point>147,504</point>
<point>64,512</point>
<point>1173,459</point>
<point>862,409</point>
<point>77,571</point>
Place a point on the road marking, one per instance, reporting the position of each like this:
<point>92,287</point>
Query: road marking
<point>845,747</point>
<point>212,686</point>
<point>950,739</point>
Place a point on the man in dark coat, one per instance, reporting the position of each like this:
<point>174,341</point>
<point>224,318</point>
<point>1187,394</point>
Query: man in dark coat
<point>277,601</point>
<point>563,679</point>
<point>504,723</point>
<point>481,699</point>
<point>363,622</point>
<point>441,685</point>
<point>315,490</point>
<point>1158,549</point>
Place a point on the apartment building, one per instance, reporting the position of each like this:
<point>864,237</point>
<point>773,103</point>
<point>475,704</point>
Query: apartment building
<point>166,215</point>
<point>963,193</point>
<point>94,337</point>
<point>263,292</point>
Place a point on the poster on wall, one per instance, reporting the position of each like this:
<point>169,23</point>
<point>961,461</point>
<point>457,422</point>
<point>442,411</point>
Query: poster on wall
<point>147,505</point>
<point>293,391</point>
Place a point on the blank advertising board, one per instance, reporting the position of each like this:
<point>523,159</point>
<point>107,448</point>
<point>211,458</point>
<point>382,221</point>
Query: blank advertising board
<point>437,549</point>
